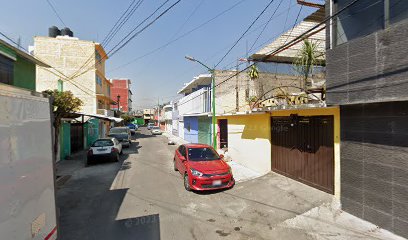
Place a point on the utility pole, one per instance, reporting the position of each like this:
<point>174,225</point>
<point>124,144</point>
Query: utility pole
<point>214,121</point>
<point>237,90</point>
<point>118,100</point>
<point>158,112</point>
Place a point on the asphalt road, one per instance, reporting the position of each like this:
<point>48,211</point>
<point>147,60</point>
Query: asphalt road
<point>142,197</point>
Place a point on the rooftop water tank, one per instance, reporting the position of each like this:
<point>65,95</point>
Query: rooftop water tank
<point>53,32</point>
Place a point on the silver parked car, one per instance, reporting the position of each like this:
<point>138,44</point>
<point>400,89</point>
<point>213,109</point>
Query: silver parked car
<point>122,134</point>
<point>156,130</point>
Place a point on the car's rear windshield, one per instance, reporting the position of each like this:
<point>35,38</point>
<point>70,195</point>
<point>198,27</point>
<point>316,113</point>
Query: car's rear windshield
<point>102,143</point>
<point>118,130</point>
<point>202,154</point>
<point>156,128</point>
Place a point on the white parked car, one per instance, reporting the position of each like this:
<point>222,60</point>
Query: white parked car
<point>104,148</point>
<point>156,130</point>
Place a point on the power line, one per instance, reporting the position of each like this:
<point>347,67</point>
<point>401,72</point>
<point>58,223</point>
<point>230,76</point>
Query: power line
<point>120,22</point>
<point>304,35</point>
<point>117,22</point>
<point>56,13</point>
<point>125,19</point>
<point>181,36</point>
<point>239,39</point>
<point>119,46</point>
<point>114,51</point>
<point>266,25</point>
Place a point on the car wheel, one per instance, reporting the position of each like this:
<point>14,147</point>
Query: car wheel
<point>174,165</point>
<point>186,183</point>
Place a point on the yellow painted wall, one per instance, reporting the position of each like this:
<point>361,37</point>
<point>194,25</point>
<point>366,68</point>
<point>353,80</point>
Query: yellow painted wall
<point>335,111</point>
<point>249,141</point>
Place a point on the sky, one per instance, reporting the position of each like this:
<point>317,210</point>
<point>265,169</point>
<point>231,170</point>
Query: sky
<point>157,76</point>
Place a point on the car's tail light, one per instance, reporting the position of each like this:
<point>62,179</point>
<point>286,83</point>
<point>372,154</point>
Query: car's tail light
<point>90,152</point>
<point>114,150</point>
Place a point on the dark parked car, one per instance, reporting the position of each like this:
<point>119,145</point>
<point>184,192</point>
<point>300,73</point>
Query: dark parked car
<point>122,134</point>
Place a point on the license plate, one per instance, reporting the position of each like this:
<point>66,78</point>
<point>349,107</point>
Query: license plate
<point>216,182</point>
<point>101,149</point>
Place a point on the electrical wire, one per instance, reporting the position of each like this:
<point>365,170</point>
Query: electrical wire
<point>304,35</point>
<point>187,33</point>
<point>114,51</point>
<point>123,39</point>
<point>182,36</point>
<point>56,13</point>
<point>239,39</point>
<point>266,25</point>
<point>126,18</point>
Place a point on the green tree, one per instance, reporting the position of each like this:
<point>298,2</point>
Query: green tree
<point>307,58</point>
<point>65,103</point>
<point>127,118</point>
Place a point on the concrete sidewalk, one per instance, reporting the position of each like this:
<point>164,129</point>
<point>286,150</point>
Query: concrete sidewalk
<point>329,222</point>
<point>66,168</point>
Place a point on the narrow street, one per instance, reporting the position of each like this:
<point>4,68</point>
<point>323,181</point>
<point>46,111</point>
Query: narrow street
<point>142,197</point>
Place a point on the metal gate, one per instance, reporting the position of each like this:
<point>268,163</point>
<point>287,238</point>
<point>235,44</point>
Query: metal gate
<point>302,149</point>
<point>77,137</point>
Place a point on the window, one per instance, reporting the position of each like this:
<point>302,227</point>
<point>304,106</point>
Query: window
<point>60,85</point>
<point>361,19</point>
<point>365,17</point>
<point>182,151</point>
<point>98,56</point>
<point>109,93</point>
<point>202,154</point>
<point>398,11</point>
<point>102,143</point>
<point>6,70</point>
<point>98,80</point>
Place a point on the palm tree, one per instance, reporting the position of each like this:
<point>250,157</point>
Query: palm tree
<point>307,58</point>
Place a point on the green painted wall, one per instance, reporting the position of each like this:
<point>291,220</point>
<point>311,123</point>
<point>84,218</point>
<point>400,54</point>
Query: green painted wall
<point>7,51</point>
<point>91,131</point>
<point>138,121</point>
<point>65,140</point>
<point>24,74</point>
<point>204,130</point>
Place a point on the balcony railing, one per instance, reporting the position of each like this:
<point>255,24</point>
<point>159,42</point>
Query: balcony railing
<point>196,102</point>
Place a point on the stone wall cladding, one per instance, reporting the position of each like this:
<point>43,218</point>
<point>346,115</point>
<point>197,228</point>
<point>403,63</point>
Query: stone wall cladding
<point>374,163</point>
<point>369,69</point>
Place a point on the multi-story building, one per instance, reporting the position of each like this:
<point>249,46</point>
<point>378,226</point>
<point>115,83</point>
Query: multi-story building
<point>121,92</point>
<point>168,117</point>
<point>148,115</point>
<point>18,68</point>
<point>79,67</point>
<point>194,121</point>
<point>367,76</point>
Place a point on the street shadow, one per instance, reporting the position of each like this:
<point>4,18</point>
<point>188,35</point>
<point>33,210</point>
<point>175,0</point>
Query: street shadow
<point>143,227</point>
<point>211,192</point>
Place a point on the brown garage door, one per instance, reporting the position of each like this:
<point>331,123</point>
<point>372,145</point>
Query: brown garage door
<point>302,148</point>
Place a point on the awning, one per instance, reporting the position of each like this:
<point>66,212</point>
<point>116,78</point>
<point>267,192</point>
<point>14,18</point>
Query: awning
<point>113,119</point>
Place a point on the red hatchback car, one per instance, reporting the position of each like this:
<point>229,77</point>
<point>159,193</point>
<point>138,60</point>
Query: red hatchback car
<point>202,168</point>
